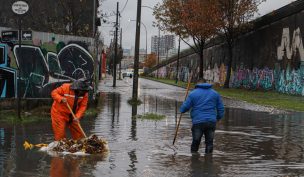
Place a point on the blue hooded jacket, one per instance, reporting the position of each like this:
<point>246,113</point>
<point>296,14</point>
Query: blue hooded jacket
<point>206,104</point>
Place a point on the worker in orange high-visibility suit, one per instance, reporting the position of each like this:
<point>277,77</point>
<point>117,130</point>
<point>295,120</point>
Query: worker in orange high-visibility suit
<point>76,95</point>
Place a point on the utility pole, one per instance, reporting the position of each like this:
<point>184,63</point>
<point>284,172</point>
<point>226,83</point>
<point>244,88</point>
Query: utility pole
<point>178,55</point>
<point>121,49</point>
<point>158,43</point>
<point>136,59</point>
<point>115,55</point>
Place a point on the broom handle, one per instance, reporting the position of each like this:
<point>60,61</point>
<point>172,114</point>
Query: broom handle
<point>76,118</point>
<point>180,117</point>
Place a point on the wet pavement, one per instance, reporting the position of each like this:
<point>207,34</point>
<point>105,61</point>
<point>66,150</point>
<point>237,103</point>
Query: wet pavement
<point>247,143</point>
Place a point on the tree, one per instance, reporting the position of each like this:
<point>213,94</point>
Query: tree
<point>150,61</point>
<point>234,15</point>
<point>195,19</point>
<point>74,17</point>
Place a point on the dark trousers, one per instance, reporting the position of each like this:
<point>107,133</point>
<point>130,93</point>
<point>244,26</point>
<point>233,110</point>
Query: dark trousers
<point>198,130</point>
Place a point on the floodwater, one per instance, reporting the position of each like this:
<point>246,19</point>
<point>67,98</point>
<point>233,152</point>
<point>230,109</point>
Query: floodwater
<point>246,143</point>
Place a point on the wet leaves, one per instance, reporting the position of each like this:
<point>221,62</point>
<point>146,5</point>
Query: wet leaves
<point>90,145</point>
<point>27,145</point>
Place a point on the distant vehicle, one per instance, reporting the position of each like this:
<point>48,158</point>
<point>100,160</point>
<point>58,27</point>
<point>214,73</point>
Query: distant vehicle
<point>140,72</point>
<point>127,74</point>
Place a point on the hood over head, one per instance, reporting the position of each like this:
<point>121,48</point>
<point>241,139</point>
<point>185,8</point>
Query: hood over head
<point>203,85</point>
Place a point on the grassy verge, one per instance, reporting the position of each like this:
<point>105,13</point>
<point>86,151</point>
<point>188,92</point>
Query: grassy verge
<point>36,115</point>
<point>151,116</point>
<point>134,102</point>
<point>11,117</point>
<point>265,98</point>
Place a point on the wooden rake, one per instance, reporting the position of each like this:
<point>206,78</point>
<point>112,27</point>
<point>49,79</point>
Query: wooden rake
<point>76,118</point>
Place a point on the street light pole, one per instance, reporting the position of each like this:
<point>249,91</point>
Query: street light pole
<point>158,43</point>
<point>146,38</point>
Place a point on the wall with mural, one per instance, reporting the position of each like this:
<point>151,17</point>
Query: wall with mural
<point>41,71</point>
<point>8,75</point>
<point>270,57</point>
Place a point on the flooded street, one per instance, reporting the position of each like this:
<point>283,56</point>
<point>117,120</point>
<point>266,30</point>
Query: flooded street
<point>247,143</point>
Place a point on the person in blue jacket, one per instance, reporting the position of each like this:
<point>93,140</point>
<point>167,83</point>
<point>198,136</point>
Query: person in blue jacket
<point>207,109</point>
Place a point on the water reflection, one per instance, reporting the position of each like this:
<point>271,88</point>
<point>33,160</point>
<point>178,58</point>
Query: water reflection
<point>63,167</point>
<point>115,108</point>
<point>203,165</point>
<point>133,162</point>
<point>133,123</point>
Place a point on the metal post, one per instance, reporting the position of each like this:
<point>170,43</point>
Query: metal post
<point>146,39</point>
<point>19,70</point>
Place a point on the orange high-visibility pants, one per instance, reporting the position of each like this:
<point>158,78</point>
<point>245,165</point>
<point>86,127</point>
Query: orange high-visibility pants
<point>59,126</point>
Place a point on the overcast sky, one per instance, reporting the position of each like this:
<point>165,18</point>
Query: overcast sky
<point>129,12</point>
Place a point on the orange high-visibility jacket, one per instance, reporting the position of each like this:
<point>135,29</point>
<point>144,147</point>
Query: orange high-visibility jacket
<point>60,110</point>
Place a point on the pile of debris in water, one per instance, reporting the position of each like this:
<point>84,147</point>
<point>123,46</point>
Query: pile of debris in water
<point>90,145</point>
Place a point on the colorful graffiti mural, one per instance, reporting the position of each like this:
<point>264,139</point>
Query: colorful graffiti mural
<point>7,75</point>
<point>39,74</point>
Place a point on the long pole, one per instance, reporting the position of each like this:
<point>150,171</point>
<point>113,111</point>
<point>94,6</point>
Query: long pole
<point>76,118</point>
<point>136,59</point>
<point>115,55</point>
<point>158,43</point>
<point>121,49</point>
<point>180,117</point>
<point>19,72</point>
<point>146,40</point>
<point>177,64</point>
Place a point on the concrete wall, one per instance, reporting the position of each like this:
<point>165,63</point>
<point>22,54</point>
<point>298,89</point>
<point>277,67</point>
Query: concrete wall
<point>269,57</point>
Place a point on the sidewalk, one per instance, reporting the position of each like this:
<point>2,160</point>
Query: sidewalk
<point>263,101</point>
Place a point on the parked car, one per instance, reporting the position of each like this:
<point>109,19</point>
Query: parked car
<point>127,74</point>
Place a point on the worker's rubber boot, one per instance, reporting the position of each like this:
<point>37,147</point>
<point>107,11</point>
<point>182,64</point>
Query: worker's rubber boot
<point>209,149</point>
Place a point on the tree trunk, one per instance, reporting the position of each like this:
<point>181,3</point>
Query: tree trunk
<point>201,72</point>
<point>201,55</point>
<point>229,65</point>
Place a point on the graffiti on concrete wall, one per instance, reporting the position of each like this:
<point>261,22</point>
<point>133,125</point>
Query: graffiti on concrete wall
<point>76,62</point>
<point>285,74</point>
<point>290,48</point>
<point>7,75</point>
<point>40,73</point>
